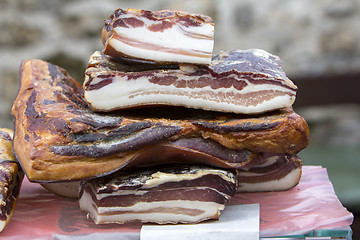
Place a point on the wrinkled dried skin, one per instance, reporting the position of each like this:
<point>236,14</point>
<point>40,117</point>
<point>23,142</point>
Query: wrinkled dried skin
<point>240,81</point>
<point>161,37</point>
<point>59,138</point>
<point>11,176</point>
<point>275,174</point>
<point>179,194</point>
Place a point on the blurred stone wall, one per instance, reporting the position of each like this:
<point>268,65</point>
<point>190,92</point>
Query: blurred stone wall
<point>312,37</point>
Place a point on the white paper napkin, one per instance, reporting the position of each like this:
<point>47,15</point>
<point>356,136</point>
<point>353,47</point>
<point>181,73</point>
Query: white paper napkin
<point>236,222</point>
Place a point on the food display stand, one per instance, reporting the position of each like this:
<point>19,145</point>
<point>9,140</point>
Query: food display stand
<point>311,210</point>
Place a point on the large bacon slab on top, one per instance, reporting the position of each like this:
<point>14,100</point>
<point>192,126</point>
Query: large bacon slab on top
<point>240,81</point>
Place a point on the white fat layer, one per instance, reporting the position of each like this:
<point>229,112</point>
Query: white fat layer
<point>287,182</point>
<point>261,53</point>
<point>268,162</point>
<point>126,93</point>
<point>2,225</point>
<point>146,206</point>
<point>135,212</point>
<point>172,38</point>
<point>205,28</point>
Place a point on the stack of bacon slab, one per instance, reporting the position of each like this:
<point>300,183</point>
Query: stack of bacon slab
<point>160,131</point>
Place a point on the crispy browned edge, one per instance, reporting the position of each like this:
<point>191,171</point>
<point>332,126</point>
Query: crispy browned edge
<point>40,164</point>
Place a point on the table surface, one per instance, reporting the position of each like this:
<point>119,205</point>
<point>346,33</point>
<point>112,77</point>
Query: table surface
<point>343,166</point>
<point>310,205</point>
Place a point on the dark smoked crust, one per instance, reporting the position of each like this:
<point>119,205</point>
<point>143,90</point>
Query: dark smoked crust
<point>10,184</point>
<point>241,127</point>
<point>124,144</point>
<point>58,137</point>
<point>205,187</point>
<point>11,176</point>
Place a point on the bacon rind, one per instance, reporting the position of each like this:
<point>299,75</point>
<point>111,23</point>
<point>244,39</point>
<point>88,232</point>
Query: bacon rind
<point>177,194</point>
<point>11,176</point>
<point>240,81</point>
<point>162,36</point>
<point>53,121</point>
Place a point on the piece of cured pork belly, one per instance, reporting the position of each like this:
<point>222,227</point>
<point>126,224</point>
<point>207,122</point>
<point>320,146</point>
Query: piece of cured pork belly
<point>59,138</point>
<point>164,36</point>
<point>176,194</point>
<point>239,81</point>
<point>11,176</point>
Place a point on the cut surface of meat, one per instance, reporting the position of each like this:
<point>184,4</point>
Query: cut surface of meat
<point>176,194</point>
<point>160,37</point>
<point>240,81</point>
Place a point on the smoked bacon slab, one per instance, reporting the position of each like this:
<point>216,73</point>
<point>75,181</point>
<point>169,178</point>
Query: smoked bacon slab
<point>59,138</point>
<point>240,81</point>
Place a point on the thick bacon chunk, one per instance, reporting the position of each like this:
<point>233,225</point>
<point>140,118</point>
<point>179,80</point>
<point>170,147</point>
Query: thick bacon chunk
<point>59,138</point>
<point>239,81</point>
<point>162,36</point>
<point>180,194</point>
<point>11,176</point>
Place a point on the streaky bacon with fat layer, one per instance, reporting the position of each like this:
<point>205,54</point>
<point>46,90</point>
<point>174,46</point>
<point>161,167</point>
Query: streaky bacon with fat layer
<point>161,36</point>
<point>240,81</point>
